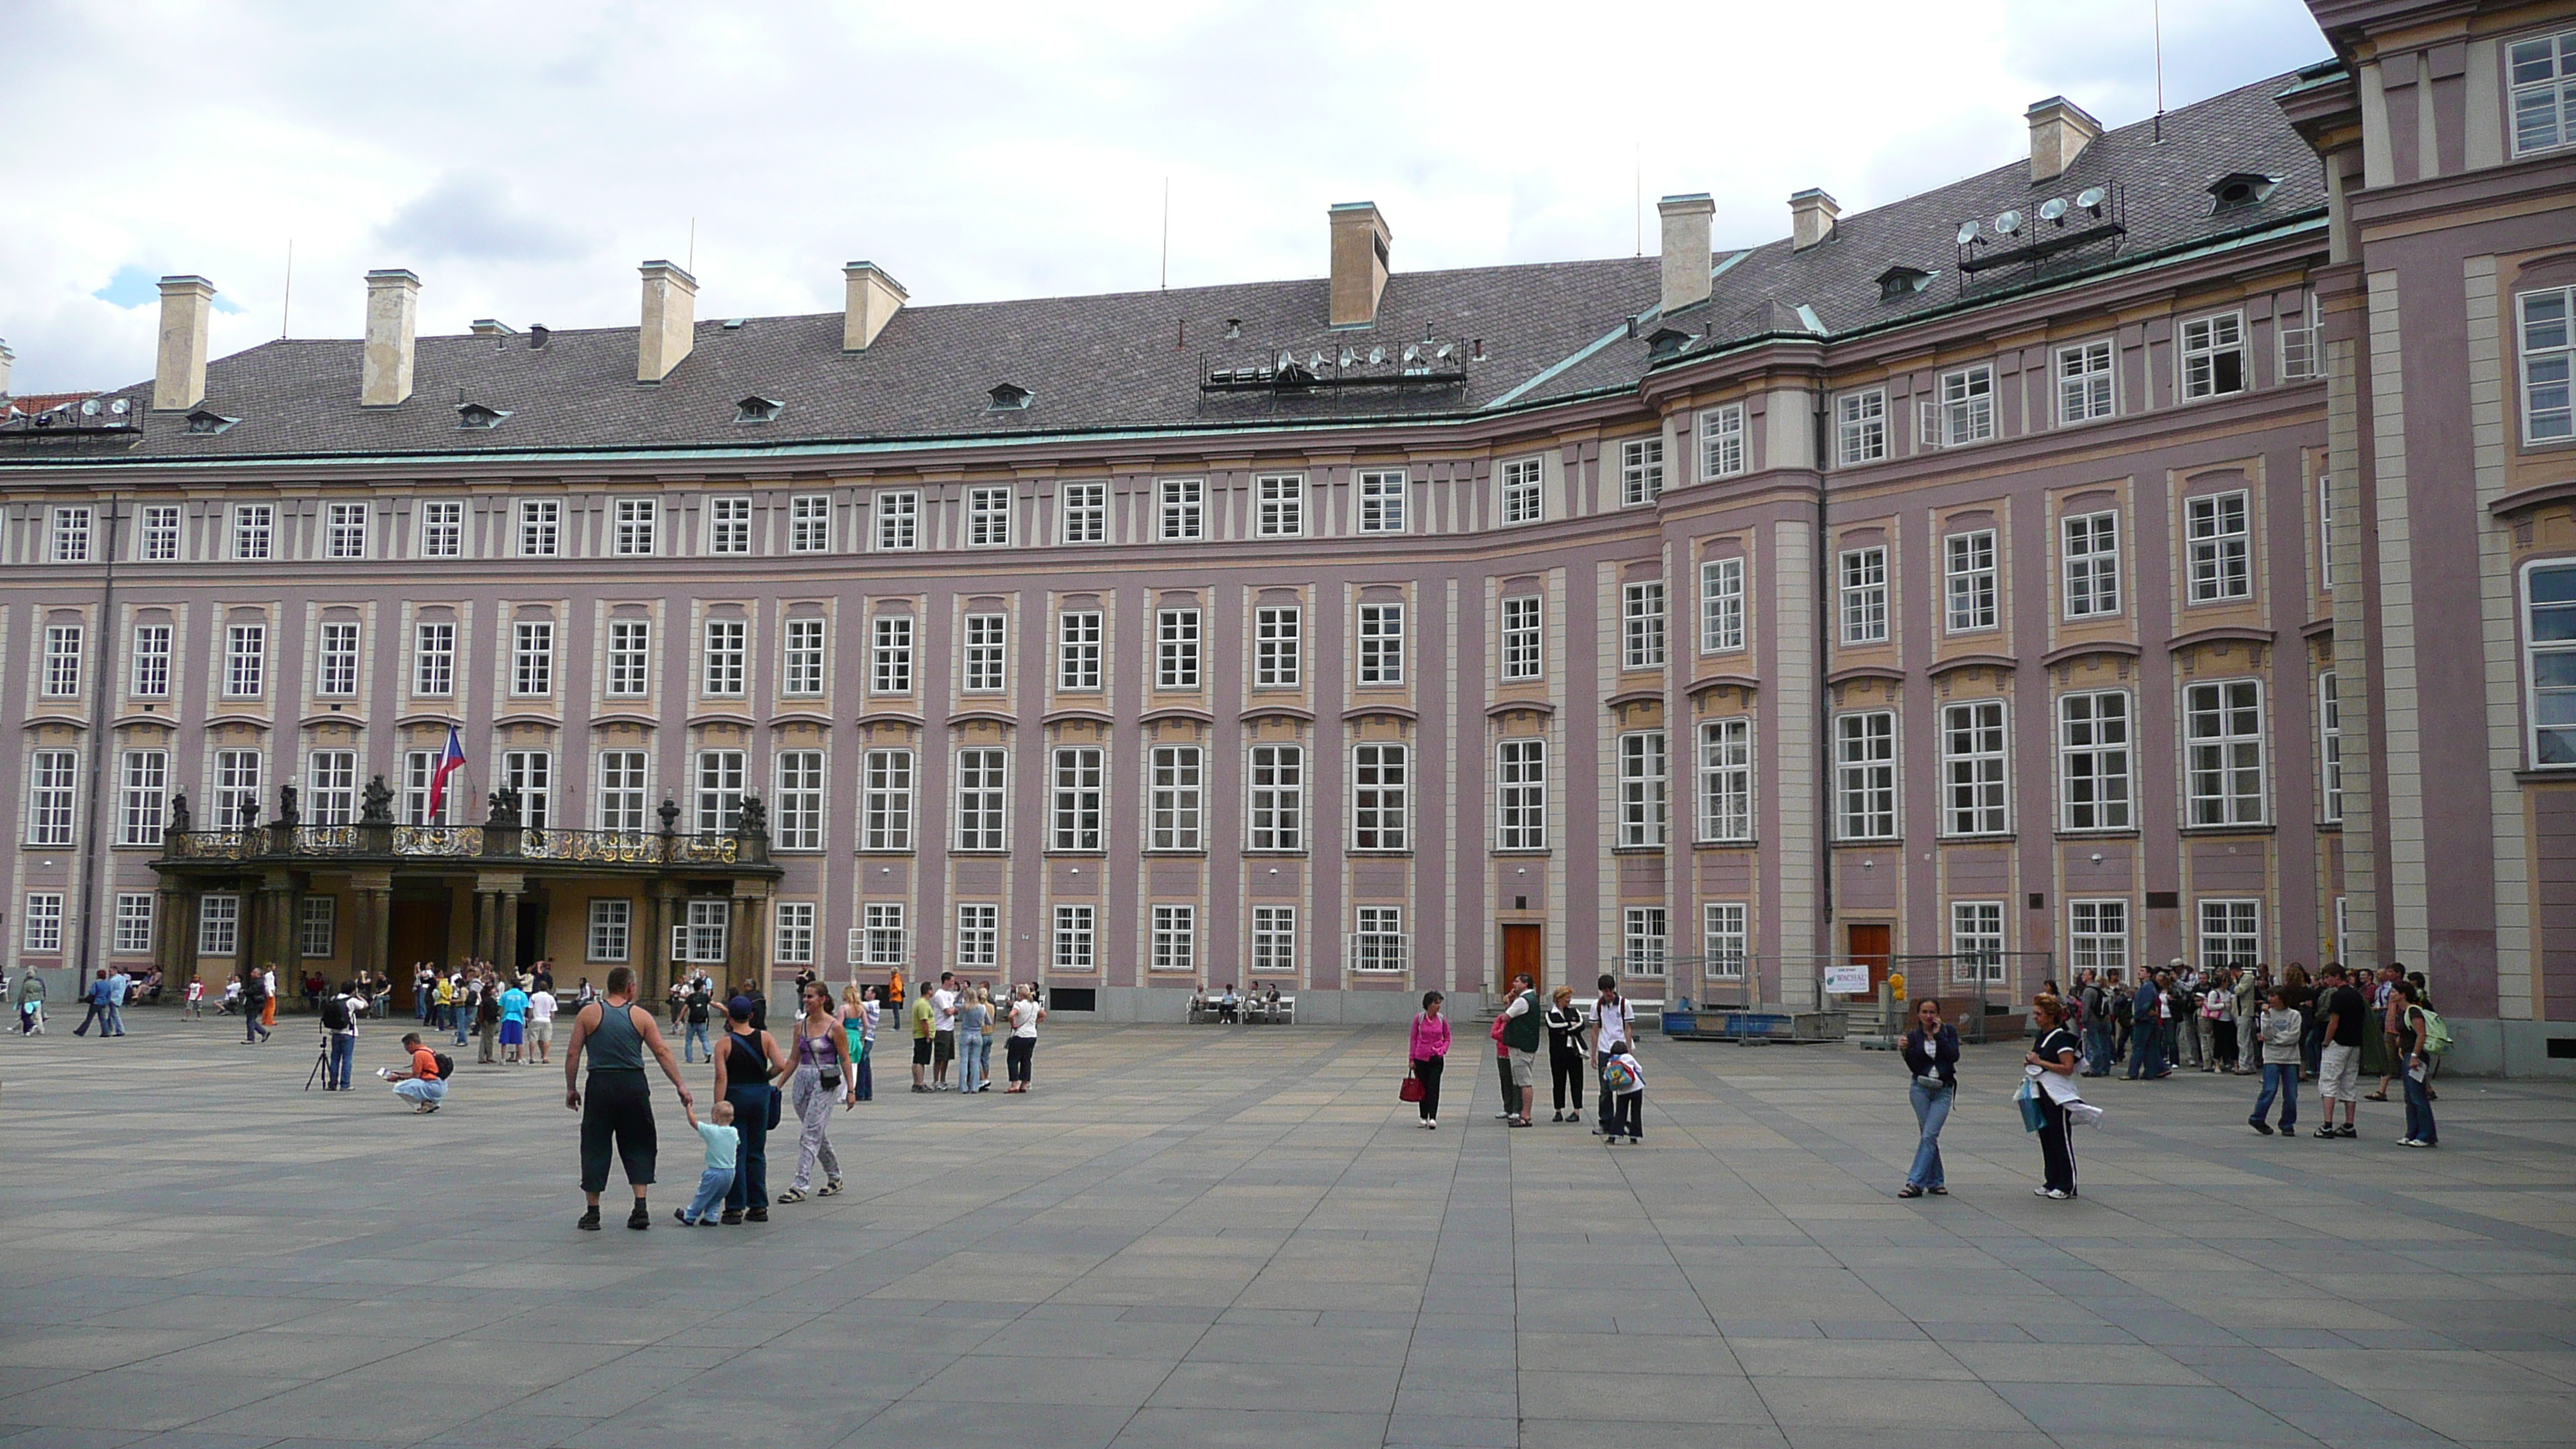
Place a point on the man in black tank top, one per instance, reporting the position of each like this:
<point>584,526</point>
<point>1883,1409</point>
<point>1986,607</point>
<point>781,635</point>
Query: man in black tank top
<point>620,1111</point>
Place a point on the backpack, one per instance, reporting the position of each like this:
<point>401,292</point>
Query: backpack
<point>446,1065</point>
<point>335,1013</point>
<point>2437,1032</point>
<point>1617,1077</point>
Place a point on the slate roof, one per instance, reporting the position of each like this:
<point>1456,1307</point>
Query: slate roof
<point>1133,361</point>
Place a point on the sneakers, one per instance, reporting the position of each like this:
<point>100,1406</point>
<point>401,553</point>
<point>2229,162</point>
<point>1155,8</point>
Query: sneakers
<point>681,1216</point>
<point>1559,1117</point>
<point>2259,1125</point>
<point>2326,1132</point>
<point>1432,1123</point>
<point>589,1222</point>
<point>2347,1130</point>
<point>829,1188</point>
<point>2052,1194</point>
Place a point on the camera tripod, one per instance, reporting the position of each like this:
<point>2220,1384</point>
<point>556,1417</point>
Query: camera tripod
<point>321,1064</point>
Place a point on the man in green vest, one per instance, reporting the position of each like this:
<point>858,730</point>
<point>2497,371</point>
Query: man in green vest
<point>1523,1029</point>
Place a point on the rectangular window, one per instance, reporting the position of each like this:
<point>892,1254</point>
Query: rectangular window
<point>809,523</point>
<point>69,542</point>
<point>1184,510</point>
<point>2222,546</point>
<point>986,653</point>
<point>701,936</point>
<point>1642,937</point>
<point>331,787</point>
<point>63,656</point>
<point>2213,356</point>
<point>1176,649</point>
<point>134,912</point>
<point>801,672</point>
<point>1084,509</point>
<point>1520,795</point>
<point>2544,92</point>
<point>1968,580</point>
<point>2223,729</point>
<point>1976,941</point>
<point>321,927</point>
<point>1726,780</point>
<point>882,941</point>
<point>1641,632</point>
<point>1280,506</point>
<point>218,924</point>
<point>1721,441</point>
<point>1077,651</point>
<point>532,658</point>
<point>1077,935</point>
<point>143,797</point>
<point>1864,595</point>
<point>433,660</point>
<point>988,517</point>
<point>898,521</point>
<point>639,528</point>
<point>420,768</point>
<point>1176,938</point>
<point>1641,788</point>
<point>979,937</point>
<point>1865,775</point>
<point>886,804</point>
<point>1967,406</point>
<point>2231,933</point>
<point>2090,555</point>
<point>1522,638</point>
<point>795,934</point>
<point>442,528</point>
<point>1721,605</point>
<point>1860,427</point>
<point>44,923</point>
<point>1077,798</point>
<point>2084,382</point>
<point>254,531</point>
<point>540,527</point>
<point>236,792</point>
<point>1278,653</point>
<point>1524,498</point>
<point>1274,942</point>
<point>1641,471</point>
<point>1379,784</point>
<point>982,798</point>
<point>2325,533</point>
<point>630,658</point>
<point>52,779</point>
<point>1725,940</point>
<point>2093,760</point>
<point>797,821</point>
<point>722,673</point>
<point>157,539</point>
<point>1378,945</point>
<point>719,792</point>
<point>1381,644</point>
<point>335,672</point>
<point>245,661</point>
<point>623,795</point>
<point>151,661</point>
<point>890,655</point>
<point>1972,768</point>
<point>1278,813</point>
<point>729,525</point>
<point>2097,936</point>
<point>2329,750</point>
<point>2301,335</point>
<point>2548,354</point>
<point>1382,502</point>
<point>1177,803</point>
<point>2549,663</point>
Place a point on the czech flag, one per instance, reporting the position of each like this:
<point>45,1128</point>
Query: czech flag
<point>449,762</point>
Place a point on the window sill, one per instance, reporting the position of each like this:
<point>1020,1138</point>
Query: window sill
<point>2546,775</point>
<point>1982,837</point>
<point>1522,851</point>
<point>1276,854</point>
<point>1748,843</point>
<point>1200,854</point>
<point>2215,830</point>
<point>1639,849</point>
<point>1371,853</point>
<point>2129,832</point>
<point>1092,854</point>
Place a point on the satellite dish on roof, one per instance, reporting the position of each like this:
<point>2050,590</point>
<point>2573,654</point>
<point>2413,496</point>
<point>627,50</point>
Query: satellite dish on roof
<point>89,408</point>
<point>2091,199</point>
<point>1377,356</point>
<point>1346,357</point>
<point>1967,232</point>
<point>2008,223</point>
<point>2053,209</point>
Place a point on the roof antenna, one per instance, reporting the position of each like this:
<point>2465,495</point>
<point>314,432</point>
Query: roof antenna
<point>1165,284</point>
<point>286,307</point>
<point>2158,12</point>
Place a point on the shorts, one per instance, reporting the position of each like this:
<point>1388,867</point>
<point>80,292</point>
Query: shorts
<point>2339,1073</point>
<point>513,1033</point>
<point>543,1031</point>
<point>943,1047</point>
<point>921,1051</point>
<point>1524,1068</point>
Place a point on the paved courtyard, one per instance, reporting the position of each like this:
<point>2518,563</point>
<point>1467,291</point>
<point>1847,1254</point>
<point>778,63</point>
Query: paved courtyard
<point>1238,1236</point>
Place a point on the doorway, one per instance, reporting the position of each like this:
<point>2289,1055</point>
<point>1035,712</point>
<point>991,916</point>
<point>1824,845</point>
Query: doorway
<point>1523,956</point>
<point>416,930</point>
<point>1867,945</point>
<point>532,931</point>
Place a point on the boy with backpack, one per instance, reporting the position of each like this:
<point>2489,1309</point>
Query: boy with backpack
<point>1623,1086</point>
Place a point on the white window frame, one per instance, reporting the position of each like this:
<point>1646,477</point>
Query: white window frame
<point>638,528</point>
<point>988,516</point>
<point>985,650</point>
<point>2225,771</point>
<point>630,659</point>
<point>1726,941</point>
<point>883,941</point>
<point>890,654</point>
<point>1866,805</point>
<point>330,787</point>
<point>809,523</point>
<point>798,790</point>
<point>1274,942</point>
<point>792,942</point>
<point>157,532</point>
<point>1726,780</point>
<point>1861,574</point>
<point>65,653</point>
<point>1976,794</point>
<point>1379,945</point>
<point>1177,653</point>
<point>433,659</point>
<point>802,656</point>
<point>335,662</point>
<point>1175,939</point>
<point>704,933</point>
<point>1721,604</point>
<point>1279,504</point>
<point>980,798</point>
<point>532,658</point>
<point>1381,796</point>
<point>1077,789</point>
<point>1641,471</point>
<point>2329,750</point>
<point>245,661</point>
<point>885,800</point>
<point>1524,631</point>
<point>1643,942</point>
<point>239,776</point>
<point>2201,347</point>
<point>2096,790</point>
<point>152,661</point>
<point>1275,811</point>
<point>1969,586</point>
<point>1176,798</point>
<point>540,527</point>
<point>1524,490</point>
<point>143,796</point>
<point>69,535</point>
<point>44,931</point>
<point>1642,625</point>
<point>1078,635</point>
<point>718,780</point>
<point>135,911</point>
<point>1184,510</point>
<point>2540,71</point>
<point>979,935</point>
<point>897,515</point>
<point>442,528</point>
<point>2089,564</point>
<point>317,935</point>
<point>2301,347</point>
<point>1977,943</point>
<point>1644,790</point>
<point>1967,406</point>
<point>1278,646</point>
<point>1860,427</point>
<point>623,801</point>
<point>729,524</point>
<point>53,796</point>
<point>2545,350</point>
<point>2218,533</point>
<point>218,924</point>
<point>2097,935</point>
<point>1077,938</point>
<point>1383,501</point>
<point>2088,387</point>
<point>1082,512</point>
<point>2227,931</point>
<point>254,532</point>
<point>724,658</point>
<point>1380,646</point>
<point>1520,793</point>
<point>1721,442</point>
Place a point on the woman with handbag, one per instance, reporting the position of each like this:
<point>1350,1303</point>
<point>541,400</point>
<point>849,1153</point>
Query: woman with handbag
<point>1429,1052</point>
<point>1932,1055</point>
<point>823,1071</point>
<point>2056,1052</point>
<point>744,1066</point>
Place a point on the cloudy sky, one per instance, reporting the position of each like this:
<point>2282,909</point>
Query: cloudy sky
<point>523,157</point>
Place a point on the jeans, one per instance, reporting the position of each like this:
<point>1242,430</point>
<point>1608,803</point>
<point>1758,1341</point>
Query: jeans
<point>2419,1107</point>
<point>2097,1048</point>
<point>416,1091</point>
<point>751,1164</point>
<point>1931,1110</point>
<point>713,1184</point>
<point>2190,1039</point>
<point>2147,1055</point>
<point>251,1028</point>
<point>344,1055</point>
<point>2280,1079</point>
<point>97,1013</point>
<point>695,1042</point>
<point>974,1061</point>
<point>113,1023</point>
<point>464,1021</point>
<point>867,1072</point>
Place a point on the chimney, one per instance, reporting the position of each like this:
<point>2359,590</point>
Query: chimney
<point>2059,132</point>
<point>1686,262</point>
<point>670,321</point>
<point>393,306</point>
<point>874,298</point>
<point>6,357</point>
<point>1359,263</point>
<point>1811,218</point>
<point>179,375</point>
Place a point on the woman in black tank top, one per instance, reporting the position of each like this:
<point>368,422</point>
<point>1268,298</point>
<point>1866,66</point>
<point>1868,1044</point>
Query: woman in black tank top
<point>743,1071</point>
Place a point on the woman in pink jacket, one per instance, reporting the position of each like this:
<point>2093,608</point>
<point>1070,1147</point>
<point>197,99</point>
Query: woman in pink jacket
<point>1430,1053</point>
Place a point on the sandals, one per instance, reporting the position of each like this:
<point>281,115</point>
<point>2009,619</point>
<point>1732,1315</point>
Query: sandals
<point>829,1188</point>
<point>1909,1190</point>
<point>793,1194</point>
<point>2376,1097</point>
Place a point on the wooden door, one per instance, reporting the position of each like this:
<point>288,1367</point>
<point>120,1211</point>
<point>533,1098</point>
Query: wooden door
<point>1522,956</point>
<point>419,933</point>
<point>1867,945</point>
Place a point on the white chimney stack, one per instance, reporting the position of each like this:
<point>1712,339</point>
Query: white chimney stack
<point>6,357</point>
<point>670,320</point>
<point>1811,218</point>
<point>1686,257</point>
<point>393,310</point>
<point>1360,238</point>
<point>179,373</point>
<point>873,299</point>
<point>2059,132</point>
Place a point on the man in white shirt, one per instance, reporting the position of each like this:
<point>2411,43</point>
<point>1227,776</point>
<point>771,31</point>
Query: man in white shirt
<point>541,1022</point>
<point>943,1029</point>
<point>1614,1027</point>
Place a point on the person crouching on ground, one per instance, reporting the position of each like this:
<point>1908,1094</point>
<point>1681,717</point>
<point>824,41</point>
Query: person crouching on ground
<point>723,1143</point>
<point>420,1083</point>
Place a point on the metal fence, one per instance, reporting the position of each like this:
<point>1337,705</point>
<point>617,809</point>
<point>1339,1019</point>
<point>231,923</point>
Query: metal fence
<point>1981,984</point>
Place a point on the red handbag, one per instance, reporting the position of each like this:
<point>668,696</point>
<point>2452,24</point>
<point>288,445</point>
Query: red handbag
<point>1411,1091</point>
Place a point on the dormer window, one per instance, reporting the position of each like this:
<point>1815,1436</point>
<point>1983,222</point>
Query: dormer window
<point>207,420</point>
<point>1898,283</point>
<point>2239,189</point>
<point>757,409</point>
<point>477,416</point>
<point>1665,341</point>
<point>1012,398</point>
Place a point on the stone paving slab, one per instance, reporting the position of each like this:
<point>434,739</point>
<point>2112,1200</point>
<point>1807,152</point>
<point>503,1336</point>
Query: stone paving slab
<point>1202,1236</point>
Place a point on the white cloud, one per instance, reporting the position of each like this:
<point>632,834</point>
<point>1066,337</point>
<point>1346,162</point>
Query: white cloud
<point>522,158</point>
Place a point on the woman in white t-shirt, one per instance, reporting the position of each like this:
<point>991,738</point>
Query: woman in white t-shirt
<point>1023,1044</point>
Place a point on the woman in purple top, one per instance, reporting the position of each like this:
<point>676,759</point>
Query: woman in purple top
<point>1430,1053</point>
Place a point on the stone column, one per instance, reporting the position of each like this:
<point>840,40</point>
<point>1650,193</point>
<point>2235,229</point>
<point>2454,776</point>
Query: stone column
<point>747,946</point>
<point>174,926</point>
<point>505,930</point>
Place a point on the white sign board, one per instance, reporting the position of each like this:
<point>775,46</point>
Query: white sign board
<point>1846,980</point>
